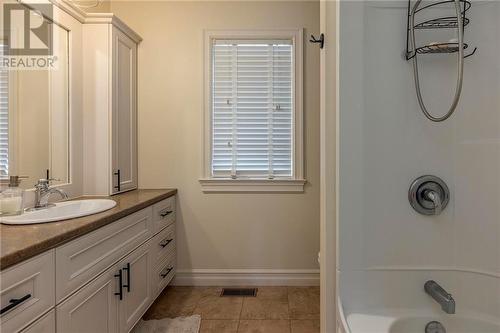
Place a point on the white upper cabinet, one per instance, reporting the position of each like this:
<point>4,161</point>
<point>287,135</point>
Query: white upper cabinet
<point>110,106</point>
<point>124,113</point>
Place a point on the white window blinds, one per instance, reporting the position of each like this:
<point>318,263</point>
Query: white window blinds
<point>252,109</point>
<point>4,119</point>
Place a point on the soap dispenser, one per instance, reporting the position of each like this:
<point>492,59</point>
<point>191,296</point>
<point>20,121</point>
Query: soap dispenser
<point>11,200</point>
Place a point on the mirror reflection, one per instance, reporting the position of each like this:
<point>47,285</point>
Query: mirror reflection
<point>34,117</point>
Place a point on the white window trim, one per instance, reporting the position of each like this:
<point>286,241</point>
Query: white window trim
<point>297,182</point>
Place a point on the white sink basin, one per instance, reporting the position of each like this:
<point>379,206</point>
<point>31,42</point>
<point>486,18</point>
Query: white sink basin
<point>61,211</point>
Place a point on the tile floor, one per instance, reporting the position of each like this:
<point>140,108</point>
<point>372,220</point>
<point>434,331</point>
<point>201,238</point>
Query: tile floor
<point>274,310</point>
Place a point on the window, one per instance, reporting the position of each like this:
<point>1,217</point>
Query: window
<point>253,116</point>
<point>4,119</point>
<point>252,109</point>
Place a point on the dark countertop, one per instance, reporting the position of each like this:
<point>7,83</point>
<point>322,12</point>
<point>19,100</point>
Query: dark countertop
<point>21,242</point>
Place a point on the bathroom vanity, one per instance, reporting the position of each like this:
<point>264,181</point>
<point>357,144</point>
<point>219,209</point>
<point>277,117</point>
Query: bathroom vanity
<point>97,273</point>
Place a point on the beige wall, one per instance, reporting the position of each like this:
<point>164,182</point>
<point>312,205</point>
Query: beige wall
<point>219,231</point>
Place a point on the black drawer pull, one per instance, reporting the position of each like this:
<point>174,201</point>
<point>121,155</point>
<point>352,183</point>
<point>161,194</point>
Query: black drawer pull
<point>165,243</point>
<point>118,187</point>
<point>120,283</point>
<point>164,275</point>
<point>127,268</point>
<point>13,303</point>
<point>165,214</point>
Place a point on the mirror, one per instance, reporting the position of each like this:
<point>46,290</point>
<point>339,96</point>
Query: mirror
<point>34,116</point>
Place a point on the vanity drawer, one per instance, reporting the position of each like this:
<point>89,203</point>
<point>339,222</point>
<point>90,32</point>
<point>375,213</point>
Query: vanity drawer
<point>85,258</point>
<point>27,291</point>
<point>164,213</point>
<point>163,244</point>
<point>163,274</point>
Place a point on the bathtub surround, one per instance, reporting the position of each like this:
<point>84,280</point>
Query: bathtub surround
<point>243,237</point>
<point>388,250</point>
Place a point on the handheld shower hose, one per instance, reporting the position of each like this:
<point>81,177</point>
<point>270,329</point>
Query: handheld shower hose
<point>460,69</point>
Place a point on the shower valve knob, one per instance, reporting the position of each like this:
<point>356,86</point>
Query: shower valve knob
<point>429,195</point>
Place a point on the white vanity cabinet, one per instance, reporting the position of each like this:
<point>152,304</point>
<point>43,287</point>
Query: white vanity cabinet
<point>86,257</point>
<point>137,292</point>
<point>92,309</point>
<point>110,105</point>
<point>101,282</point>
<point>43,325</point>
<point>113,302</point>
<point>27,292</point>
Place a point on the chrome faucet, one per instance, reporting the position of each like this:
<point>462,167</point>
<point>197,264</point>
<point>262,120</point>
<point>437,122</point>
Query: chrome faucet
<point>441,296</point>
<point>43,192</point>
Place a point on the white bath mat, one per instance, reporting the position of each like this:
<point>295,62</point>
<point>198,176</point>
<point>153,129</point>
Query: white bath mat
<point>176,325</point>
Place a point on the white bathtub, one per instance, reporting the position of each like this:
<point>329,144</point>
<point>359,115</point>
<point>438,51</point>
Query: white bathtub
<point>394,301</point>
<point>452,324</point>
<point>411,321</point>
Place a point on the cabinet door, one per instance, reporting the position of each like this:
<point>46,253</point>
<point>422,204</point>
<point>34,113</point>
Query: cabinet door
<point>93,309</point>
<point>124,113</point>
<point>137,291</point>
<point>46,324</point>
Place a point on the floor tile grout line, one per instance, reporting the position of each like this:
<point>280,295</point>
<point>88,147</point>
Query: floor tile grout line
<point>197,303</point>
<point>289,314</point>
<point>239,318</point>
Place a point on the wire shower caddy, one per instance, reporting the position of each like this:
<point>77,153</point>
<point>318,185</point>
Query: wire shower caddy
<point>445,22</point>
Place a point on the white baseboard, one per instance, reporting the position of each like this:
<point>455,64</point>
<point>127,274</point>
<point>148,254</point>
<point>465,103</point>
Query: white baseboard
<point>247,277</point>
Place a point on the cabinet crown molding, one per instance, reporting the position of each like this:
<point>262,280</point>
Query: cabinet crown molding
<point>110,18</point>
<point>92,18</point>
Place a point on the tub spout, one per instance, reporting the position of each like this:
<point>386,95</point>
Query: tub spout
<point>441,296</point>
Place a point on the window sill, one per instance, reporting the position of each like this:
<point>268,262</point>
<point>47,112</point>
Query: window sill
<point>252,185</point>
